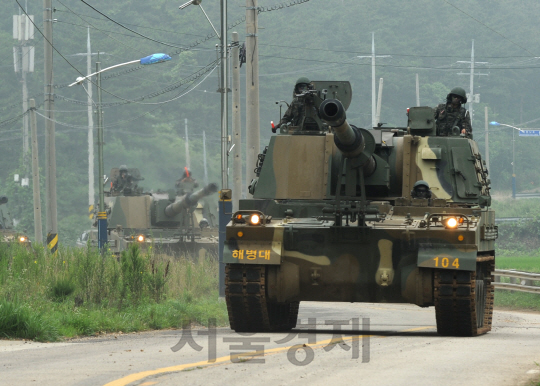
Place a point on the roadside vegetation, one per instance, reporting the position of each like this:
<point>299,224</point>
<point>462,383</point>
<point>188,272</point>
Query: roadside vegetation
<point>513,299</point>
<point>518,247</point>
<point>77,292</point>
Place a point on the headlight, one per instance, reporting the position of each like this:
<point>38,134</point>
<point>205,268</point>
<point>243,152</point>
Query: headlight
<point>255,219</point>
<point>251,217</point>
<point>140,238</point>
<point>452,222</point>
<point>23,239</point>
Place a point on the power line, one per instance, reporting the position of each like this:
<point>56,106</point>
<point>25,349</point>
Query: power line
<point>441,68</point>
<point>134,25</point>
<point>277,7</point>
<point>488,27</point>
<point>127,28</point>
<point>118,123</point>
<point>387,53</point>
<point>110,37</point>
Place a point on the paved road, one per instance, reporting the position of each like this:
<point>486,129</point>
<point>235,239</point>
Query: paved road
<point>400,347</point>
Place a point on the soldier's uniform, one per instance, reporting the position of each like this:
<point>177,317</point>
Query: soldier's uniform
<point>120,183</point>
<point>294,113</point>
<point>297,109</point>
<point>448,116</point>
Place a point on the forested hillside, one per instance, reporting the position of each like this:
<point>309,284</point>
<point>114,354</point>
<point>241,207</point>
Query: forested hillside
<point>321,39</point>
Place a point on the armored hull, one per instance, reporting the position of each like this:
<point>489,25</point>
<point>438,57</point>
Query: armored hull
<point>333,218</point>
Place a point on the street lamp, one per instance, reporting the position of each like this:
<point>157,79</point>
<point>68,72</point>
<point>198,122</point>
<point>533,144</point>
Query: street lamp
<point>223,87</point>
<point>102,215</point>
<point>494,123</point>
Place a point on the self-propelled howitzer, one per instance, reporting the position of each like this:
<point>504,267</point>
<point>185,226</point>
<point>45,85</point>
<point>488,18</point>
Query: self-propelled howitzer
<point>165,221</point>
<point>334,218</point>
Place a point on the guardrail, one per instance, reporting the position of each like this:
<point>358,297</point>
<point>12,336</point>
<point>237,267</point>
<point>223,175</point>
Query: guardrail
<point>525,280</point>
<point>527,195</point>
<point>512,219</point>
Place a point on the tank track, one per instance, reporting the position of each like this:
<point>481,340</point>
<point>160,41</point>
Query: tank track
<point>458,309</point>
<point>247,305</point>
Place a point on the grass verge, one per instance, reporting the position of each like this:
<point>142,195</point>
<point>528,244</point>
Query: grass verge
<point>520,262</point>
<point>514,300</point>
<point>79,292</point>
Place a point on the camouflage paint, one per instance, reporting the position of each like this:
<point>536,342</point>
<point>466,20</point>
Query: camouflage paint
<point>388,260</point>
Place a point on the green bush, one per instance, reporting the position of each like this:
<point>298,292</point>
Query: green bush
<point>19,321</point>
<point>133,273</point>
<point>61,289</point>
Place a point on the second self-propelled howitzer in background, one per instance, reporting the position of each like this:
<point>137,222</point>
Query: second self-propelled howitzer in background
<point>165,221</point>
<point>335,217</point>
<point>7,232</point>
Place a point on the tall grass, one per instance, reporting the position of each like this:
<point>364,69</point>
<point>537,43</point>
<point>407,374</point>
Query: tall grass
<point>519,262</point>
<point>82,292</point>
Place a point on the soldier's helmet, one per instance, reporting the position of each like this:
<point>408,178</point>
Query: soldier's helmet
<point>421,190</point>
<point>123,168</point>
<point>421,183</point>
<point>187,173</point>
<point>301,81</point>
<point>458,91</point>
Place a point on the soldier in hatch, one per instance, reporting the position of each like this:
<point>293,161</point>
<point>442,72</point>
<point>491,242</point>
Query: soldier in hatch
<point>296,110</point>
<point>186,184</point>
<point>123,181</point>
<point>421,190</point>
<point>451,114</point>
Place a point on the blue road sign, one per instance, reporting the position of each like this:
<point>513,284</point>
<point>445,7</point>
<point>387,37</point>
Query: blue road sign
<point>529,133</point>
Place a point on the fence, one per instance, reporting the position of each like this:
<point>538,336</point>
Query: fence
<point>519,281</point>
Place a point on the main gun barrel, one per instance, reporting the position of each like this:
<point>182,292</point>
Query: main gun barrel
<point>189,200</point>
<point>348,139</point>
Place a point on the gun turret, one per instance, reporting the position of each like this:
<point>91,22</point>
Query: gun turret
<point>347,138</point>
<point>350,140</point>
<point>189,200</point>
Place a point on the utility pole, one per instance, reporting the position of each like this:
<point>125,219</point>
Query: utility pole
<point>224,99</point>
<point>237,123</point>
<point>252,90</point>
<point>188,161</point>
<point>373,87</point>
<point>373,90</point>
<point>23,55</point>
<point>486,139</point>
<point>204,158</point>
<point>38,233</point>
<point>513,164</point>
<point>472,98</point>
<point>99,117</point>
<point>417,91</point>
<point>379,101</point>
<point>102,214</point>
<point>50,148</point>
<point>91,193</point>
